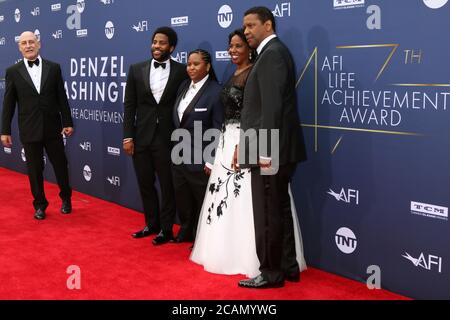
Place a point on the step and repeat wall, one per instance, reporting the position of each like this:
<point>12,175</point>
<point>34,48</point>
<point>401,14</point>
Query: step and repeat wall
<point>374,97</point>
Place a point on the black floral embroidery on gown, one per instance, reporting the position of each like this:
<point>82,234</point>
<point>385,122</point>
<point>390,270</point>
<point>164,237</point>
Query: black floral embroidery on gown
<point>232,98</point>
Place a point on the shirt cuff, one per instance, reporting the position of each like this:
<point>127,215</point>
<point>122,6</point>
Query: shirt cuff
<point>209,165</point>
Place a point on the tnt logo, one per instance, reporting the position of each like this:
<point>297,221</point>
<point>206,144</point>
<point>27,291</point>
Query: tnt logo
<point>87,173</point>
<point>425,262</point>
<point>282,9</point>
<point>80,6</point>
<point>37,33</point>
<point>57,34</point>
<point>346,240</point>
<point>35,12</point>
<point>181,57</point>
<point>2,41</point>
<point>179,21</point>
<point>114,180</point>
<point>86,146</point>
<point>109,30</point>
<point>141,26</point>
<point>56,7</point>
<point>346,195</point>
<point>225,16</point>
<point>17,15</point>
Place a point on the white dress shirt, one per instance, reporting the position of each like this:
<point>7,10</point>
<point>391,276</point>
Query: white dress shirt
<point>194,88</point>
<point>35,73</point>
<point>158,78</point>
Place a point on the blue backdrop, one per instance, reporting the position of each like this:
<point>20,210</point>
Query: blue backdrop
<point>373,87</point>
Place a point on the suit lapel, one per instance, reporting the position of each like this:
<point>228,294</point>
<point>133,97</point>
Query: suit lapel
<point>45,71</point>
<point>177,102</point>
<point>194,102</point>
<point>24,73</point>
<point>169,81</point>
<point>146,77</point>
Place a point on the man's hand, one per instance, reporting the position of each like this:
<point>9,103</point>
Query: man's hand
<point>6,140</point>
<point>67,131</point>
<point>234,161</point>
<point>128,147</point>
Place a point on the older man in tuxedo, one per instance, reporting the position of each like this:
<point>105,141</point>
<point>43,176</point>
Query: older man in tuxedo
<point>270,107</point>
<point>36,86</point>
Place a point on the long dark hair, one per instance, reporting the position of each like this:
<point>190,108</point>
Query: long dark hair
<point>240,33</point>
<point>207,58</point>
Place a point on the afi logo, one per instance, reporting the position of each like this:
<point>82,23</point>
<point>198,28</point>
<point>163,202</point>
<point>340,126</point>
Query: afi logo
<point>86,146</point>
<point>141,26</point>
<point>2,41</point>
<point>282,9</point>
<point>180,57</point>
<point>425,262</point>
<point>114,180</point>
<point>347,196</point>
<point>57,34</point>
<point>35,12</point>
<point>346,240</point>
<point>225,16</point>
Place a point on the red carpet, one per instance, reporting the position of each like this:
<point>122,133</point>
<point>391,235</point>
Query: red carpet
<point>34,257</point>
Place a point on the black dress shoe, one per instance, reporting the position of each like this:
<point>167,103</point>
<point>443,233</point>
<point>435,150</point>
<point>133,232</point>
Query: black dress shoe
<point>39,214</point>
<point>162,237</point>
<point>259,282</point>
<point>181,239</point>
<point>66,206</point>
<point>292,277</point>
<point>147,231</point>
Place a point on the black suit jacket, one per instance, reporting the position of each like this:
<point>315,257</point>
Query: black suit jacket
<point>142,112</point>
<point>41,115</point>
<point>270,103</point>
<point>205,107</point>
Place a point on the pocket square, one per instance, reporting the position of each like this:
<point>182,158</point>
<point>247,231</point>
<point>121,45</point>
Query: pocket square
<point>201,109</point>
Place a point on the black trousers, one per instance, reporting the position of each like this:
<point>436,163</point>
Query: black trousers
<point>190,188</point>
<point>34,153</point>
<point>147,160</point>
<point>274,230</point>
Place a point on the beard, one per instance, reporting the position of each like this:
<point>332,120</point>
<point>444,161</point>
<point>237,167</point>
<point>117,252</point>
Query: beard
<point>163,57</point>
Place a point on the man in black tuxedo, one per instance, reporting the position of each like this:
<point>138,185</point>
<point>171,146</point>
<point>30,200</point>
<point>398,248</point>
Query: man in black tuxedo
<point>37,87</point>
<point>270,104</point>
<point>149,98</point>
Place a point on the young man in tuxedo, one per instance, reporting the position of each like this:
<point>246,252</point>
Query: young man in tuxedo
<point>149,98</point>
<point>37,87</point>
<point>270,104</point>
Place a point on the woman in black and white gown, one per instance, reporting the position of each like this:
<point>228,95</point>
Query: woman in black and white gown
<point>225,240</point>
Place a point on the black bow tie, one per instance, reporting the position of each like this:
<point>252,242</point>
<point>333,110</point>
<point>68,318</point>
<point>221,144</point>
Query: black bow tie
<point>157,64</point>
<point>30,63</point>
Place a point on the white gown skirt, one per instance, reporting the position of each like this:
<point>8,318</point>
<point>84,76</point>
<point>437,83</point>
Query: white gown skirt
<point>225,240</point>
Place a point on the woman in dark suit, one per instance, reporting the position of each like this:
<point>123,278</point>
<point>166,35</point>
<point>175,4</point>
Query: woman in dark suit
<point>197,109</point>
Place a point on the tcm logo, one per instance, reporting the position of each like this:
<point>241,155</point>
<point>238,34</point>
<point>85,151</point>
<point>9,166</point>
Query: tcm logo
<point>225,16</point>
<point>107,2</point>
<point>2,18</point>
<point>80,6</point>
<point>35,12</point>
<point>114,180</point>
<point>56,7</point>
<point>347,4</point>
<point>87,173</point>
<point>222,56</point>
<point>17,15</point>
<point>429,210</point>
<point>141,26</point>
<point>109,30</point>
<point>22,154</point>
<point>86,146</point>
<point>435,4</point>
<point>282,9</point>
<point>180,57</point>
<point>179,21</point>
<point>57,34</point>
<point>347,196</point>
<point>37,33</point>
<point>2,41</point>
<point>346,240</point>
<point>7,150</point>
<point>82,33</point>
<point>113,151</point>
<point>428,263</point>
